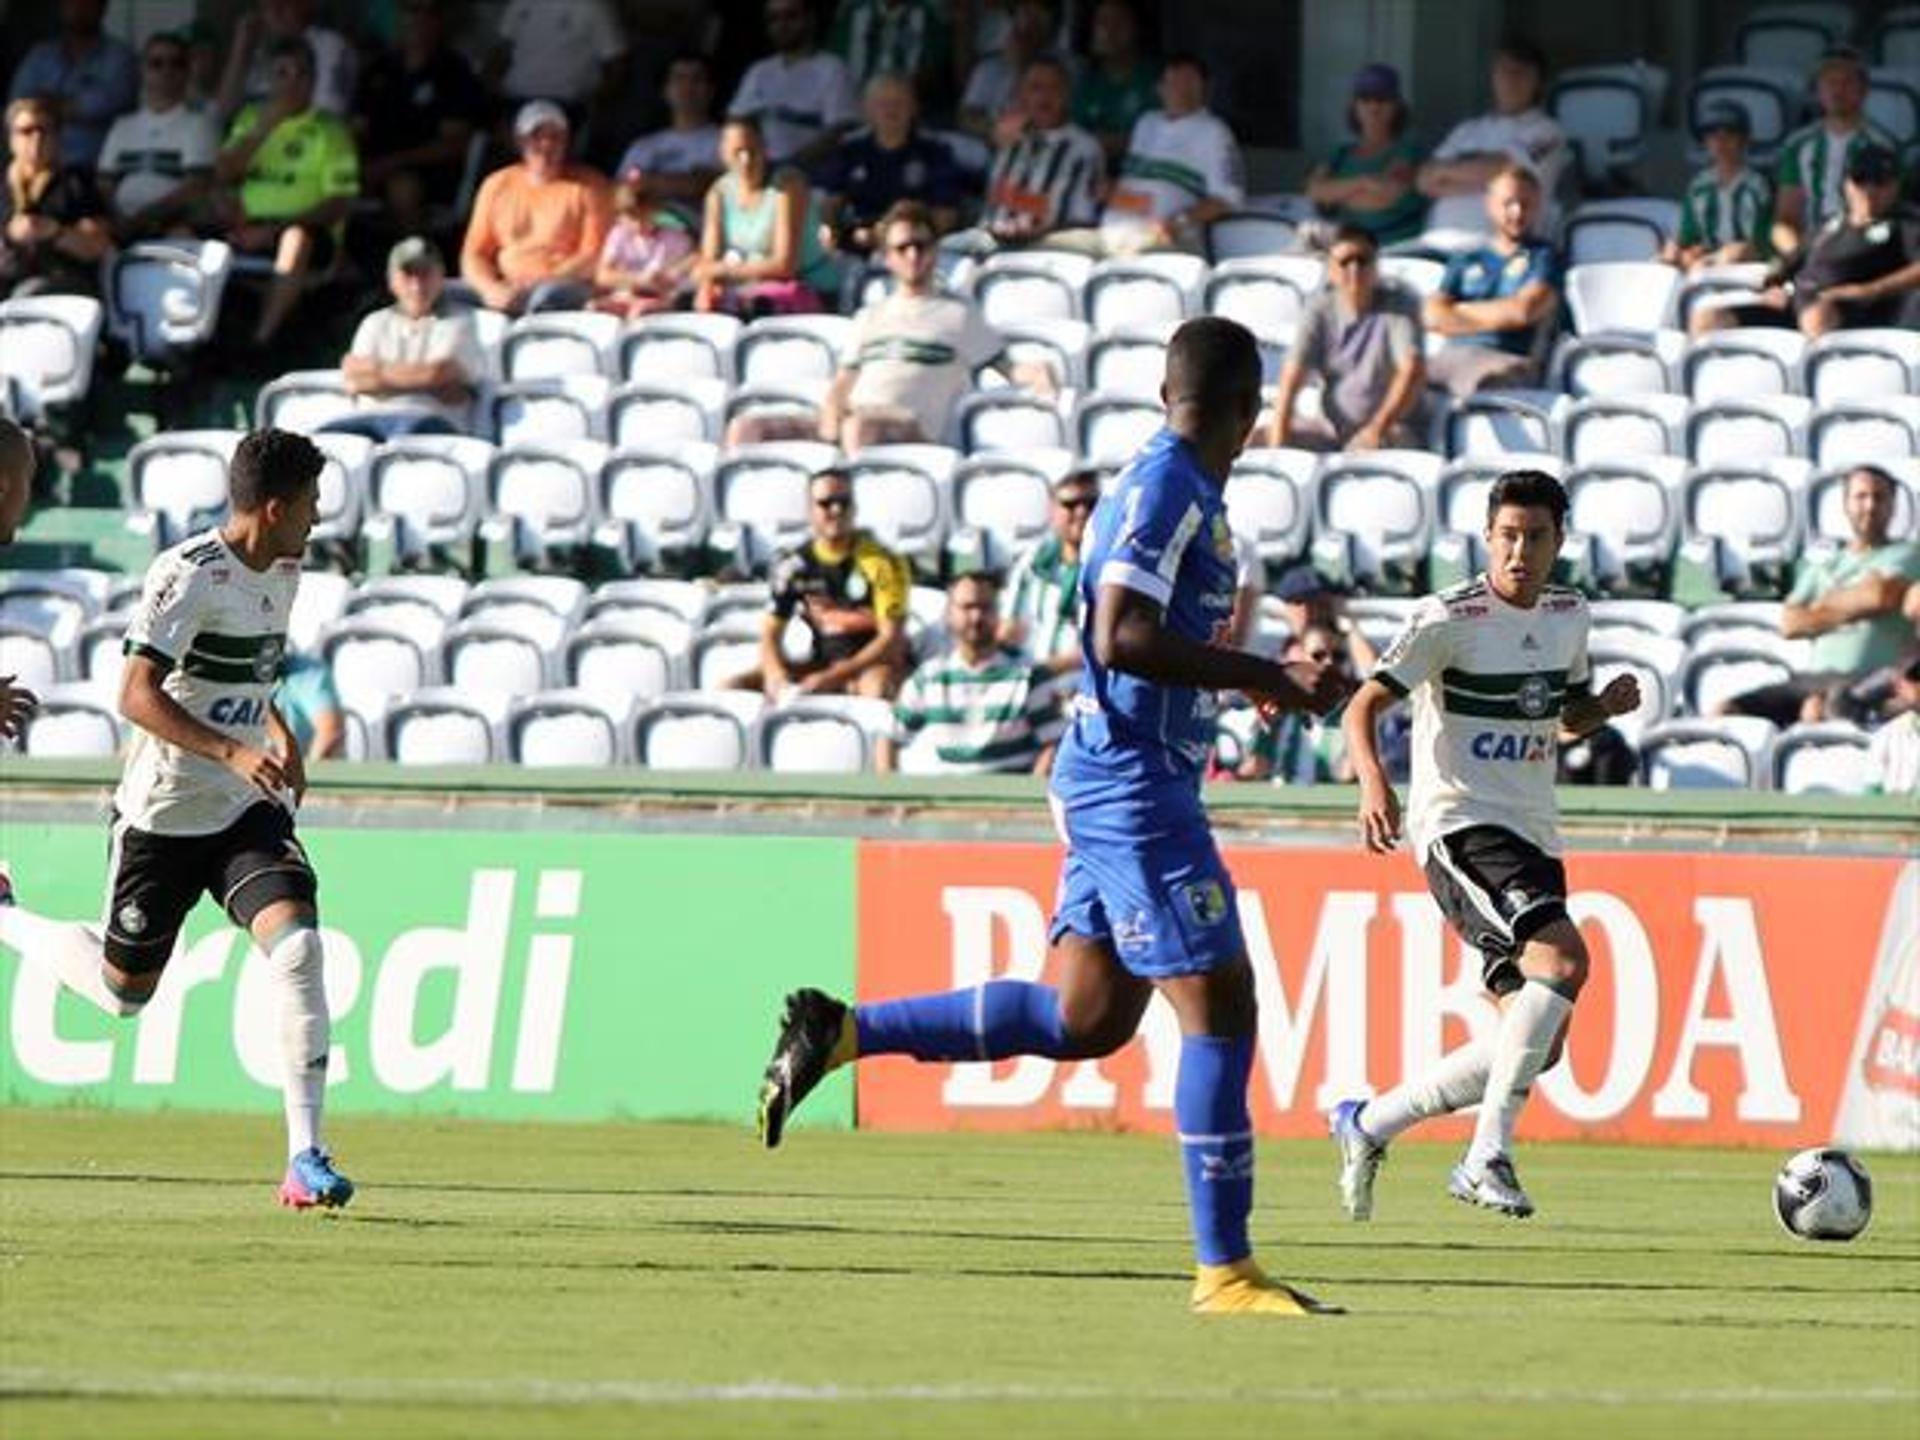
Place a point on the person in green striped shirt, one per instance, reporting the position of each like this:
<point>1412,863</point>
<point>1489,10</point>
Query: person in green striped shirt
<point>1043,589</point>
<point>1725,215</point>
<point>1813,159</point>
<point>982,708</point>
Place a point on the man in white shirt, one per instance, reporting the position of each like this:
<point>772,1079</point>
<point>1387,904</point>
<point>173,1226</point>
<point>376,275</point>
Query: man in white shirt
<point>1517,130</point>
<point>158,161</point>
<point>249,72</point>
<point>1893,755</point>
<point>801,95</point>
<point>413,366</point>
<point>681,161</point>
<point>1181,173</point>
<point>571,52</point>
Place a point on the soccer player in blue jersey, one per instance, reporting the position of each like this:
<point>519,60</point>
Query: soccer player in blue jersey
<point>1145,902</point>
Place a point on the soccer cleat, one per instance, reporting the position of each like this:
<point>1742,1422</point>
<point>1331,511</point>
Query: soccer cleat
<point>1496,1187</point>
<point>1243,1288</point>
<point>816,1035</point>
<point>312,1181</point>
<point>1360,1158</point>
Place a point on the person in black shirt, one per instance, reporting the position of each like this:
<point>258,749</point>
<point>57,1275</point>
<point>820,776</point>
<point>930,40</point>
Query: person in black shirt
<point>53,227</point>
<point>420,104</point>
<point>888,161</point>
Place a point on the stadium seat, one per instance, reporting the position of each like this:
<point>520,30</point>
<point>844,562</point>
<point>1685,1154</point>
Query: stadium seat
<point>791,349</point>
<point>1893,101</point>
<point>441,596</point>
<point>760,505</point>
<point>1460,512</point>
<point>29,657</point>
<point>1791,38</point>
<point>1621,427</point>
<point>1732,364</point>
<point>693,732</point>
<point>649,413</point>
<point>178,480</point>
<point>1373,518</point>
<point>74,722</point>
<point>1652,660</point>
<point>320,600</point>
<point>1899,42</point>
<point>1060,345</point>
<point>1659,618</point>
<point>443,726</point>
<point>1009,421</point>
<point>1712,676</point>
<point>1144,292</point>
<point>1612,364</point>
<point>686,345</point>
<point>722,655</point>
<point>1862,365</point>
<point>656,505</point>
<point>904,505</point>
<point>937,462</point>
<point>657,620</point>
<point>1012,288</point>
<point>163,296</point>
<point>740,603</point>
<point>1740,530</point>
<point>502,655</point>
<point>685,600</point>
<point>1131,365</point>
<point>617,655</point>
<point>1246,235</point>
<point>541,502</point>
<point>1623,522</point>
<point>1420,275</point>
<point>1001,504</point>
<point>1729,753</point>
<point>99,653</point>
<point>1865,432</point>
<point>426,494</point>
<point>372,663</point>
<point>47,345</point>
<point>548,410</point>
<point>1829,758</point>
<point>1635,297</point>
<point>1266,295</point>
<point>1605,113</point>
<point>553,344</point>
<point>565,727</point>
<point>1596,233</point>
<point>1109,429</point>
<point>1736,625</point>
<point>1771,98</point>
<point>1742,431</point>
<point>303,400</point>
<point>343,489</point>
<point>1498,422</point>
<point>56,604</point>
<point>561,596</point>
<point>1269,498</point>
<point>815,734</point>
<point>1826,518</point>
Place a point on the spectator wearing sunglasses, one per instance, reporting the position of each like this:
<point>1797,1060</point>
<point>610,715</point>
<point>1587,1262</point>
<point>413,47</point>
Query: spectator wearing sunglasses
<point>52,231</point>
<point>156,167</point>
<point>1299,748</point>
<point>1043,588</point>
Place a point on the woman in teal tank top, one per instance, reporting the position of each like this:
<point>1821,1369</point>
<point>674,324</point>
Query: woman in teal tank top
<point>1368,181</point>
<point>760,247</point>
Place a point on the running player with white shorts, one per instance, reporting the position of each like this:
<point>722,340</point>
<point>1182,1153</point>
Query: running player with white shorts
<point>1498,673</point>
<point>205,803</point>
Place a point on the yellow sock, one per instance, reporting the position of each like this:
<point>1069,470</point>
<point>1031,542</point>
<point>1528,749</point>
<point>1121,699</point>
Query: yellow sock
<point>847,1048</point>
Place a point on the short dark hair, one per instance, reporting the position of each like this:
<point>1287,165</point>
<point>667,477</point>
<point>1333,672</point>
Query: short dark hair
<point>688,57</point>
<point>832,472</point>
<point>172,38</point>
<point>272,465</point>
<point>294,47</point>
<point>1879,476</point>
<point>905,212</point>
<point>1212,359</point>
<point>982,575</point>
<point>1534,489</point>
<point>1350,234</point>
<point>1047,62</point>
<point>1190,59</point>
<point>1521,48</point>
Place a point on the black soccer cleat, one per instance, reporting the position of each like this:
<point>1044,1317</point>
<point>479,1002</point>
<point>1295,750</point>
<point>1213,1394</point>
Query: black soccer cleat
<point>813,1035</point>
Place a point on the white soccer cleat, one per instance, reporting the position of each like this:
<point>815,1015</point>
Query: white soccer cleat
<point>1360,1158</point>
<point>1496,1187</point>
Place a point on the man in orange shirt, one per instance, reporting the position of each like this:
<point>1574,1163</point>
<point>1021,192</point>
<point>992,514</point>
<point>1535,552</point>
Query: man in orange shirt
<point>537,227</point>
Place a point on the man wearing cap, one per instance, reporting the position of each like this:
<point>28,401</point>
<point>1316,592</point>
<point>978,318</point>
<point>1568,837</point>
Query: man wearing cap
<point>1813,159</point>
<point>534,239</point>
<point>1861,270</point>
<point>413,366</point>
<point>1368,180</point>
<point>1043,587</point>
<point>1725,215</point>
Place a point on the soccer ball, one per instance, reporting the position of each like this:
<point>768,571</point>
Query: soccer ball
<point>1823,1195</point>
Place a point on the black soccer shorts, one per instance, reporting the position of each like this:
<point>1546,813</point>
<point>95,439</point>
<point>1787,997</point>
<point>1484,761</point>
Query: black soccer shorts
<point>1498,891</point>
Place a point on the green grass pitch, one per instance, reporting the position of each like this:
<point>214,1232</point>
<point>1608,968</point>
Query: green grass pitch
<point>524,1281</point>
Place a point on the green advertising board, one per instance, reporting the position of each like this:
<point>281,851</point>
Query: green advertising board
<point>510,973</point>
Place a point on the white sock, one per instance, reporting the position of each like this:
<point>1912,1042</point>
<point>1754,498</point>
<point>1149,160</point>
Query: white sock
<point>71,952</point>
<point>1533,1016</point>
<point>1457,1080</point>
<point>297,962</point>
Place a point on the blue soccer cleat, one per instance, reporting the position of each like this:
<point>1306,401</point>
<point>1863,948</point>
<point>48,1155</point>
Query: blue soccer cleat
<point>1360,1158</point>
<point>312,1181</point>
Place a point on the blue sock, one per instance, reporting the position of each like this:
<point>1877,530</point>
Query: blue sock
<point>1216,1143</point>
<point>987,1022</point>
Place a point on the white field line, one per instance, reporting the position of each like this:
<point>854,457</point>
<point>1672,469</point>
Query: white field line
<point>18,1382</point>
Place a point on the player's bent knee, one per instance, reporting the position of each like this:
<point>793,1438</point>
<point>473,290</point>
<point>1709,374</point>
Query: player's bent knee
<point>129,992</point>
<point>1557,956</point>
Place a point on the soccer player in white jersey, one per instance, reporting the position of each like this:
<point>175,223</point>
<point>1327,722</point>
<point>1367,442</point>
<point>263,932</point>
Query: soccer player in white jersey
<point>206,800</point>
<point>1497,668</point>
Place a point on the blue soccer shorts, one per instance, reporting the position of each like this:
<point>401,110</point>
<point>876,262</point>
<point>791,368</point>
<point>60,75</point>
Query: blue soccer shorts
<point>1143,874</point>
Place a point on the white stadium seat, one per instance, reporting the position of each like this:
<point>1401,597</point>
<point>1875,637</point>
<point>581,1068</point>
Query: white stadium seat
<point>373,663</point>
<point>320,600</point>
<point>1266,295</point>
<point>1499,422</point>
<point>1822,759</point>
<point>1059,344</point>
<point>1636,297</point>
<point>646,414</point>
<point>718,657</point>
<point>903,505</point>
<point>1597,233</point>
<point>426,492</point>
<point>1791,38</point>
<point>443,726</point>
<point>1652,660</point>
<point>814,735</point>
<point>100,652</point>
<point>1009,420</point>
<point>1741,431</point>
<point>1863,365</point>
<point>687,345</point>
<point>163,296</point>
<point>1131,365</point>
<point>566,727</point>
<point>74,722</point>
<point>1612,364</point>
<point>1740,525</point>
<point>1620,427</point>
<point>1001,504</point>
<point>1269,498</point>
<point>1710,286</point>
<point>1030,285</point>
<point>1623,521</point>
<point>1771,99</point>
<point>760,504</point>
<point>1605,112</point>
<point>343,488</point>
<point>553,344</point>
<point>561,596</point>
<point>1110,429</point>
<point>303,400</point>
<point>1709,678</point>
<point>790,349</point>
<point>1893,101</point>
<point>655,504</point>
<point>1732,364</point>
<point>1145,291</point>
<point>1900,38</point>
<point>1729,753</point>
<point>549,409</point>
<point>1373,517</point>
<point>542,501</point>
<point>47,345</point>
<point>29,657</point>
<point>1865,432</point>
<point>179,482</point>
<point>1248,235</point>
<point>693,732</point>
<point>503,654</point>
<point>615,657</point>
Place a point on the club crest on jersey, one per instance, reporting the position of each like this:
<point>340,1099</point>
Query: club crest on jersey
<point>856,586</point>
<point>266,664</point>
<point>1534,696</point>
<point>1206,901</point>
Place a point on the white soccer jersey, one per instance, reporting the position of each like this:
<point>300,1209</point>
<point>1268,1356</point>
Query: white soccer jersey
<point>220,630</point>
<point>1172,164</point>
<point>153,152</point>
<point>1488,681</point>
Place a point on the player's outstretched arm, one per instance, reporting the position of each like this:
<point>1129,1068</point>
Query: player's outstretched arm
<point>144,703</point>
<point>1130,635</point>
<point>1379,806</point>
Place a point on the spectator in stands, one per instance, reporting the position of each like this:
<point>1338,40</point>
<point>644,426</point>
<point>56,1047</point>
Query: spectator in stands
<point>1814,158</point>
<point>1724,215</point>
<point>570,52</point>
<point>249,73</point>
<point>1300,748</point>
<point>983,708</point>
<point>760,246</point>
<point>17,464</point>
<point>310,704</point>
<point>53,228</point>
<point>678,164</point>
<point>1043,606</point>
<point>1517,131</point>
<point>1862,269</point>
<point>1050,175</point>
<point>852,593</point>
<point>1120,85</point>
<point>92,77</point>
<point>801,95</point>
<point>1306,601</point>
<point>420,105</point>
<point>1893,755</point>
<point>991,106</point>
<point>156,167</point>
<point>647,257</point>
<point>1362,338</point>
<point>1850,604</point>
<point>297,172</point>
<point>1495,302</point>
<point>538,226</point>
<point>1182,170</point>
<point>909,38</point>
<point>413,366</point>
<point>1368,181</point>
<point>889,161</point>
